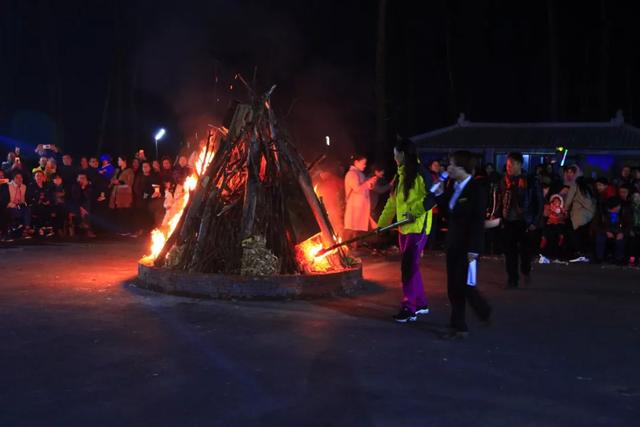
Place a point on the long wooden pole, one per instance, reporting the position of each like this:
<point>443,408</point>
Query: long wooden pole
<point>364,236</point>
<point>301,172</point>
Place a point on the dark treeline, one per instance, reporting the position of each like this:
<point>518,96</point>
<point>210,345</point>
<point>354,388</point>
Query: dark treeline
<point>102,76</point>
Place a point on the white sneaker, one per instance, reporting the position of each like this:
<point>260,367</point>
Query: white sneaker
<point>579,259</point>
<point>544,260</point>
<point>422,310</point>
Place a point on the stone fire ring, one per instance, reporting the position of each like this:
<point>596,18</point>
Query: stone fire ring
<point>222,286</point>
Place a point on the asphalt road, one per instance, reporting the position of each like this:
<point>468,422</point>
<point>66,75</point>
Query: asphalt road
<point>80,344</point>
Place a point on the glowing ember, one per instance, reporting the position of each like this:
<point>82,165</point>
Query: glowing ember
<point>181,197</point>
<point>306,253</point>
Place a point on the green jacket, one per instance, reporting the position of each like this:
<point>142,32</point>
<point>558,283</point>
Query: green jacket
<point>397,205</point>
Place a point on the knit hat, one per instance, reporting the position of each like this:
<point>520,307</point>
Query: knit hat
<point>559,197</point>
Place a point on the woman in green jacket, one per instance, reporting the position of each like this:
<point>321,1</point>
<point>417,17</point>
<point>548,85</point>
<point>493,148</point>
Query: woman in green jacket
<point>406,201</point>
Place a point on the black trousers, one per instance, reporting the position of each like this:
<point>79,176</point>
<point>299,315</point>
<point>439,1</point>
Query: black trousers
<point>518,246</point>
<point>460,293</point>
<point>41,215</point>
<point>493,241</point>
<point>634,243</point>
<point>434,237</point>
<point>579,240</point>
<point>555,241</point>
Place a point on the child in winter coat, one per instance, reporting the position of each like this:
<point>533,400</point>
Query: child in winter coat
<point>554,233</point>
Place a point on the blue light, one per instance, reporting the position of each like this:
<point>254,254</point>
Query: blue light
<point>564,157</point>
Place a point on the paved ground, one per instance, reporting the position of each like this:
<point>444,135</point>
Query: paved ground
<point>81,345</point>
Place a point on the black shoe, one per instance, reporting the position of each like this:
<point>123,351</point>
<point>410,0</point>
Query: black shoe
<point>486,322</point>
<point>455,335</point>
<point>422,310</point>
<point>405,316</point>
<point>511,285</point>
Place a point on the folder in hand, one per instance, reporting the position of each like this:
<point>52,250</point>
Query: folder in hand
<point>472,273</point>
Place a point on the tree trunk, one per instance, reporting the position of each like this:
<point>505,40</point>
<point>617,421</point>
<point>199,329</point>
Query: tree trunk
<point>453,104</point>
<point>604,60</point>
<point>629,91</point>
<point>410,88</point>
<point>105,115</point>
<point>586,84</point>
<point>134,134</point>
<point>553,58</point>
<point>381,95</point>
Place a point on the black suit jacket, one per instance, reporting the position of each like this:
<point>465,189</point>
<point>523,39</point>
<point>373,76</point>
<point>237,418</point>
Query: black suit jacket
<point>466,220</point>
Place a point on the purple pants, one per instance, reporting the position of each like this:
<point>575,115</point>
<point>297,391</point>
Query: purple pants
<point>411,246</point>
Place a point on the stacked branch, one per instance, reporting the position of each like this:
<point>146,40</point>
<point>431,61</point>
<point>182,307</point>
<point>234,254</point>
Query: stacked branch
<point>238,219</point>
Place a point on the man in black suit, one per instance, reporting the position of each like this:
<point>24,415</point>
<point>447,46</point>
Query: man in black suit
<point>466,202</point>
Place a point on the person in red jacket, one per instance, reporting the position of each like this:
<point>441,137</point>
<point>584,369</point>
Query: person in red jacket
<point>604,189</point>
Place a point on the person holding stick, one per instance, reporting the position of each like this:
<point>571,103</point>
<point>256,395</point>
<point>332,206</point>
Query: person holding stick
<point>466,203</point>
<point>406,201</point>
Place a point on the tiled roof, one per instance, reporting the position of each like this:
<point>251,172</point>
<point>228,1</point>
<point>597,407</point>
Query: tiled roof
<point>593,137</point>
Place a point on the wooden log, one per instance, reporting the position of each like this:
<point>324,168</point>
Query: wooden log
<point>341,252</point>
<point>179,235</point>
<point>302,174</point>
<point>316,162</point>
<point>251,187</point>
<point>304,181</point>
<point>203,188</point>
<point>203,231</point>
<point>242,116</point>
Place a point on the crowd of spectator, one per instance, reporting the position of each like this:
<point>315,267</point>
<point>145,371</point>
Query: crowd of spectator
<point>568,217</point>
<point>55,195</point>
<point>571,217</point>
<point>582,219</point>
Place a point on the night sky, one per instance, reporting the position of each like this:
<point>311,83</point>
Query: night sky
<point>90,74</point>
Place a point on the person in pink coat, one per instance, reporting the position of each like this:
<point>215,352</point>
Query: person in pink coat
<point>356,191</point>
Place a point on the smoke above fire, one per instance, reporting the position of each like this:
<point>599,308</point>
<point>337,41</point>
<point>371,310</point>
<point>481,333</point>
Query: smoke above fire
<point>187,58</point>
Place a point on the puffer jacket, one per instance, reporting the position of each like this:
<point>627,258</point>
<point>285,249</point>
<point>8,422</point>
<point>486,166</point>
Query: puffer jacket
<point>582,209</point>
<point>397,205</point>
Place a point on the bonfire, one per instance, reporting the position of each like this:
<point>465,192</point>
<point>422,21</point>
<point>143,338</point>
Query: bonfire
<point>249,207</point>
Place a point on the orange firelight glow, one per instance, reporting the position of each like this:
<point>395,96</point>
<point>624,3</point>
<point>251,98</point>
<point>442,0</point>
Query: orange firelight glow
<point>307,254</point>
<point>160,235</point>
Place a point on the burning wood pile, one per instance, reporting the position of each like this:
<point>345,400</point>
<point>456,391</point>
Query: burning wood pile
<point>247,208</point>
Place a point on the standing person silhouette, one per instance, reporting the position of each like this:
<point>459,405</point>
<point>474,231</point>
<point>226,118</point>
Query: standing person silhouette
<point>406,201</point>
<point>466,203</point>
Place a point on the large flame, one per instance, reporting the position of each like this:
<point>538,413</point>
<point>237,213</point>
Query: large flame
<point>160,235</point>
<point>307,254</point>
